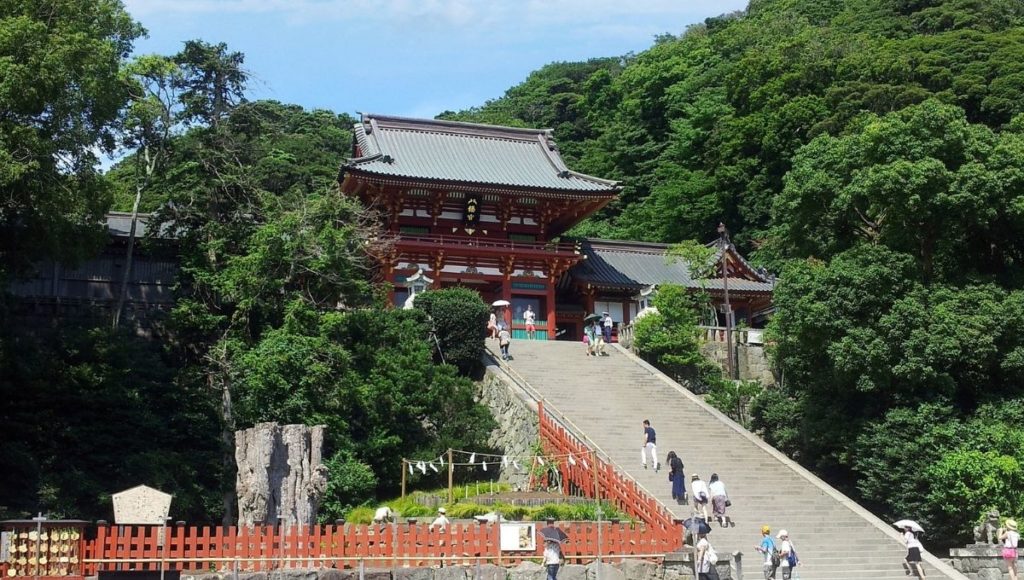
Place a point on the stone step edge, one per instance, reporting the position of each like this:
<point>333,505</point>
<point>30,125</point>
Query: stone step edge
<point>814,480</point>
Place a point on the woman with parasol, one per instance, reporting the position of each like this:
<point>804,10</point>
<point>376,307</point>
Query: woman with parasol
<point>911,533</point>
<point>553,539</point>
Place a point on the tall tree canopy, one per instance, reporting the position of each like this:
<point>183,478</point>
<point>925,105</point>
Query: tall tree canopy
<point>61,93</point>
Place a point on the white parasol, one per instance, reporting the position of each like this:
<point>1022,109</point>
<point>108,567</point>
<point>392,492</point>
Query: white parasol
<point>914,526</point>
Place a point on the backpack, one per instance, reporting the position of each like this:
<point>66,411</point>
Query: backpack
<point>792,556</point>
<point>710,555</point>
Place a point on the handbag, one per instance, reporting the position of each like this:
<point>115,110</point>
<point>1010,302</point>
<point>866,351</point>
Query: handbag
<point>728,503</point>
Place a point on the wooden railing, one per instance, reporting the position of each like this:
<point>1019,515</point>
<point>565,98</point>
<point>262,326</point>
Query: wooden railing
<point>591,475</point>
<point>434,240</point>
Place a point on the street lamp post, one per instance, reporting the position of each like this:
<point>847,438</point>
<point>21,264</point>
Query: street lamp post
<point>723,242</point>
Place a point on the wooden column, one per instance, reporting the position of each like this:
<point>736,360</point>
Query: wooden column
<point>625,311</point>
<point>549,295</point>
<point>508,264</point>
<point>589,294</point>
<point>390,277</point>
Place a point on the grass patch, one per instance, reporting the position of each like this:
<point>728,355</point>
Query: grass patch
<point>408,507</point>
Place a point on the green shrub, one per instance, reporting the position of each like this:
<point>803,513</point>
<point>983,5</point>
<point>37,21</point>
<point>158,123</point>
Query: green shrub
<point>460,320</point>
<point>360,515</point>
<point>349,483</point>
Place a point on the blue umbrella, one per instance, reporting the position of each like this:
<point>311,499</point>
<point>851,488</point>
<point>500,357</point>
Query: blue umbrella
<point>697,526</point>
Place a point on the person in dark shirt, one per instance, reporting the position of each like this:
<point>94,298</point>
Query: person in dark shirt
<point>650,444</point>
<point>677,477</point>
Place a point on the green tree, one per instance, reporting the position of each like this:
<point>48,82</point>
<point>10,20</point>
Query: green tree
<point>923,181</point>
<point>670,339</point>
<point>458,316</point>
<point>61,94</point>
<point>94,415</point>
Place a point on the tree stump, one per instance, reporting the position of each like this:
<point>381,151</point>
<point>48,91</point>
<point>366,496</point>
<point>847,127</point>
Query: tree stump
<point>281,475</point>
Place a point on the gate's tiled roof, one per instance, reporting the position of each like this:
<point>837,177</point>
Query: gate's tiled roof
<point>451,152</point>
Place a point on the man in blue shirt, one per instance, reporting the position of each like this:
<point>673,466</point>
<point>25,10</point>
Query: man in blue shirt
<point>767,549</point>
<point>650,440</point>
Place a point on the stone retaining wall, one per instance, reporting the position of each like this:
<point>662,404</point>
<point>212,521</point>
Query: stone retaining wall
<point>752,362</point>
<point>518,425</point>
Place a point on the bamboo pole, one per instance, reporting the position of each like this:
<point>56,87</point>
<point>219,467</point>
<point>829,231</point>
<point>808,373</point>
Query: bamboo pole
<point>451,478</point>
<point>404,467</point>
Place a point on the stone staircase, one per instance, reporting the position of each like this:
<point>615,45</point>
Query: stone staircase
<point>607,398</point>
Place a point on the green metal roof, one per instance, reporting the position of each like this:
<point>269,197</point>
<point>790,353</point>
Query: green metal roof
<point>450,152</point>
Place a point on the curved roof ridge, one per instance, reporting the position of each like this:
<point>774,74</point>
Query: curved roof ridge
<point>457,127</point>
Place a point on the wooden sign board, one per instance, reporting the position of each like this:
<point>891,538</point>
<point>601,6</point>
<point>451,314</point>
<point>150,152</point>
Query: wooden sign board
<point>518,537</point>
<point>141,505</point>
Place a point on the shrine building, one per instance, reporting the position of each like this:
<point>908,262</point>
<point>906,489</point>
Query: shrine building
<point>483,207</point>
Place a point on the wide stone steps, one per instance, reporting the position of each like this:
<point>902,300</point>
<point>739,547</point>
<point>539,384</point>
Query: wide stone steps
<point>607,398</point>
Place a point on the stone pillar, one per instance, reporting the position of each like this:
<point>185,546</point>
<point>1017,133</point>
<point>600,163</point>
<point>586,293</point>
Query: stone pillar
<point>280,474</point>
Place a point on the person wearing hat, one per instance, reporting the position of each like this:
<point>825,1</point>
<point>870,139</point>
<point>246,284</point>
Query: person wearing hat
<point>701,495</point>
<point>770,552</point>
<point>441,521</point>
<point>787,555</point>
<point>607,323</point>
<point>1010,539</point>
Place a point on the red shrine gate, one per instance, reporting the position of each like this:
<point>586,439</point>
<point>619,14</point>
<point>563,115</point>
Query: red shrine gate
<point>473,205</point>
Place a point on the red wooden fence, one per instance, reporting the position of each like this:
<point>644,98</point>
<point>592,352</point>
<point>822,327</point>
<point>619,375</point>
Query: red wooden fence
<point>195,548</point>
<point>622,492</point>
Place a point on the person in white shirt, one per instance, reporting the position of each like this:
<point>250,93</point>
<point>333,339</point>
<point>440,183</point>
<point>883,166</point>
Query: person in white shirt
<point>701,495</point>
<point>913,565</point>
<point>607,323</point>
<point>719,500</point>
<point>1010,538</point>
<point>706,559</point>
<point>492,325</point>
<point>787,555</point>
<point>552,555</point>
<point>441,521</point>
<point>529,317</point>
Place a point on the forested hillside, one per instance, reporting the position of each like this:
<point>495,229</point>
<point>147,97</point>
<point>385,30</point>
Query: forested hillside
<point>872,153</point>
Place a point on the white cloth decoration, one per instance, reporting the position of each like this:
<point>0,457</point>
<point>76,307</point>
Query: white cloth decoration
<point>484,464</point>
<point>472,458</point>
<point>410,469</point>
<point>432,466</point>
<point>422,467</point>
<point>571,460</point>
<point>504,460</point>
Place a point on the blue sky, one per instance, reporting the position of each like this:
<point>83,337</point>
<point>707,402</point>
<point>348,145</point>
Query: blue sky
<point>410,57</point>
